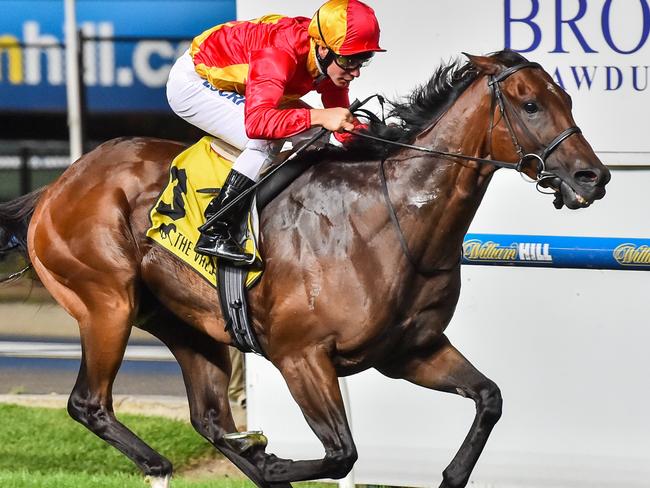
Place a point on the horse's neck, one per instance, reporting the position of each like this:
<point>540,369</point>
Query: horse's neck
<point>439,197</point>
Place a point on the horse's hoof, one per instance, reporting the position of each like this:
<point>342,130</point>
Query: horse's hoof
<point>158,482</point>
<point>241,442</point>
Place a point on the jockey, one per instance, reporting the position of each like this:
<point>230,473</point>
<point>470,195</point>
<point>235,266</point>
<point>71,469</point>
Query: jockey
<point>240,82</point>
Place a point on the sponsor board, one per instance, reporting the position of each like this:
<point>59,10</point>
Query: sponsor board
<point>557,251</point>
<point>598,50</point>
<point>119,75</point>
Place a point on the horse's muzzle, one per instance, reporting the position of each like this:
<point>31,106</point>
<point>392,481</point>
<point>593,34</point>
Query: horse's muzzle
<point>581,189</point>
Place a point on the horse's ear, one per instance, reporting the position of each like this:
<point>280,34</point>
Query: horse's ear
<point>485,64</point>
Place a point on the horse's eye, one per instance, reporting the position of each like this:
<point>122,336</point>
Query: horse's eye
<point>531,107</point>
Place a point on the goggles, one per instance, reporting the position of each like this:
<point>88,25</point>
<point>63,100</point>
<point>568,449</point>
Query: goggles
<point>350,63</point>
<point>347,63</point>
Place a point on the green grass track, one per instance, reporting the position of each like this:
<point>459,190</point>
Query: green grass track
<point>45,448</point>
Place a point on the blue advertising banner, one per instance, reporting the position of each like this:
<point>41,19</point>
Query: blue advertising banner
<point>557,251</point>
<point>119,75</point>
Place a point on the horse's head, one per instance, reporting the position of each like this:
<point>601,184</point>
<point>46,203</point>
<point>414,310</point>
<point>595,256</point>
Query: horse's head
<point>532,123</point>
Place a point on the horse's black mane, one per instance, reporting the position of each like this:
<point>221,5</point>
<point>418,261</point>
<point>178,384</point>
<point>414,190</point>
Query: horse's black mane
<point>416,111</point>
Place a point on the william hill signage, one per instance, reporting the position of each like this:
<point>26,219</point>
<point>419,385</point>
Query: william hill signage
<point>477,250</point>
<point>557,251</point>
<point>631,254</point>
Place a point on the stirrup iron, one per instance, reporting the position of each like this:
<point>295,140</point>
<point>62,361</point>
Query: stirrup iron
<point>244,441</point>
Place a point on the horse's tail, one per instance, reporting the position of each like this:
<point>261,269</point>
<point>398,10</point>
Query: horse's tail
<point>14,222</point>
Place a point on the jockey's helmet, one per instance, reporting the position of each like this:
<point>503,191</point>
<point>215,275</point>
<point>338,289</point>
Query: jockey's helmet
<point>346,28</point>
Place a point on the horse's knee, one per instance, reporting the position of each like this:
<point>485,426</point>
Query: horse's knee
<point>89,413</point>
<point>490,401</point>
<point>206,423</point>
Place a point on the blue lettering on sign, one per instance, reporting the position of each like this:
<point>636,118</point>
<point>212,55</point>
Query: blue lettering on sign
<point>607,33</point>
<point>572,23</point>
<point>614,78</point>
<point>608,78</point>
<point>586,77</point>
<point>635,82</point>
<point>509,20</point>
<point>525,30</point>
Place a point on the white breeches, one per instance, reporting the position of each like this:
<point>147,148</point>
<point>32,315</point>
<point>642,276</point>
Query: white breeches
<point>221,114</point>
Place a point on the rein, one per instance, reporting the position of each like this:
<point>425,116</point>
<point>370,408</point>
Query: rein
<point>494,162</point>
<point>497,97</point>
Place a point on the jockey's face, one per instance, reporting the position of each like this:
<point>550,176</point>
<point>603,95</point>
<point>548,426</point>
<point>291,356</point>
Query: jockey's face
<point>339,76</point>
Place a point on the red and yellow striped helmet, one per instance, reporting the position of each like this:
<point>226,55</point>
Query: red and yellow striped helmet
<point>347,27</point>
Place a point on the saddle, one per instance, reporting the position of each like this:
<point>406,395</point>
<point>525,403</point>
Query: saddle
<point>179,211</point>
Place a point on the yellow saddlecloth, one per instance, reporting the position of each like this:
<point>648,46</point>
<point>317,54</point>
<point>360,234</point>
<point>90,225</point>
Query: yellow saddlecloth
<point>194,175</point>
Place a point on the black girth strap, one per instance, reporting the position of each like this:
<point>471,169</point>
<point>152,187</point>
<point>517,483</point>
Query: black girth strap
<point>234,307</point>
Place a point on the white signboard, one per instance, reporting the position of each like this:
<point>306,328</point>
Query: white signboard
<point>598,50</point>
<point>567,347</point>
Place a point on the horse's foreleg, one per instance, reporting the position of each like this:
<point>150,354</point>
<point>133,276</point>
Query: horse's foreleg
<point>313,383</point>
<point>104,335</point>
<point>446,369</point>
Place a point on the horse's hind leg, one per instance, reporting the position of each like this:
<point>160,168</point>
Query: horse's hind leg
<point>103,303</point>
<point>104,334</point>
<point>206,369</point>
<point>443,368</point>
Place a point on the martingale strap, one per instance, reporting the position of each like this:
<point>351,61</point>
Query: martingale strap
<point>400,235</point>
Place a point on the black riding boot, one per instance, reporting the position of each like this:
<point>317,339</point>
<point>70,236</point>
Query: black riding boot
<point>224,237</point>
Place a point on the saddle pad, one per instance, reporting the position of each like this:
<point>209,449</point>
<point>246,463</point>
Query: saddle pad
<point>195,177</point>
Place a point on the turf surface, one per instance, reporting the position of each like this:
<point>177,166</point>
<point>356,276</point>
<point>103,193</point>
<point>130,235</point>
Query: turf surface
<point>45,448</point>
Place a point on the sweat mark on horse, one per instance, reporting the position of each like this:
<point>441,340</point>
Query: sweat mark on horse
<point>339,294</point>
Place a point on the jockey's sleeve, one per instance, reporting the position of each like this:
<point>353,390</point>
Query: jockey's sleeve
<point>333,96</point>
<point>269,71</point>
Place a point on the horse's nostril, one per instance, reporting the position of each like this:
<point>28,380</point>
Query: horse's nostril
<point>586,177</point>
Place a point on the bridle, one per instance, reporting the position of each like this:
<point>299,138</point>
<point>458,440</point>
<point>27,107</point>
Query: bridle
<point>503,102</point>
<point>497,98</point>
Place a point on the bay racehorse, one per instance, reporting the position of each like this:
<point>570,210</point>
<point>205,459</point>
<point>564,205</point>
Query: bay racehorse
<point>362,263</point>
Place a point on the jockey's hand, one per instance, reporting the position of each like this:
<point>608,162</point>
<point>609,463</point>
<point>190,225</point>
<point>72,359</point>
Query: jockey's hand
<point>346,137</point>
<point>334,119</point>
